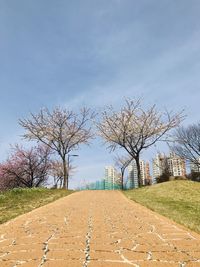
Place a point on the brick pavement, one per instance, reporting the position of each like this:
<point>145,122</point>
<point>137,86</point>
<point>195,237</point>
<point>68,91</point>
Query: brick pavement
<point>96,229</point>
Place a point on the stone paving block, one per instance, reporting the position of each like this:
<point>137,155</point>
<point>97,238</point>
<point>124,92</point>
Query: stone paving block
<point>102,255</point>
<point>107,264</point>
<point>132,255</point>
<point>63,241</point>
<point>158,264</point>
<point>187,245</point>
<point>175,237</point>
<point>7,263</point>
<point>63,263</point>
<point>104,240</point>
<point>24,247</point>
<point>30,240</point>
<point>195,254</point>
<point>66,246</point>
<point>103,247</point>
<point>33,263</point>
<point>5,243</point>
<point>116,236</point>
<point>24,255</point>
<point>170,256</point>
<point>127,244</point>
<point>66,254</point>
<point>154,248</point>
<point>193,264</point>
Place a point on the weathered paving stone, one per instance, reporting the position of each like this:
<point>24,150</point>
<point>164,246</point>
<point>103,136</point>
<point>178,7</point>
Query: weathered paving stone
<point>7,263</point>
<point>94,229</point>
<point>108,264</point>
<point>193,264</point>
<point>132,255</point>
<point>127,244</point>
<point>195,254</point>
<point>25,248</point>
<point>11,263</point>
<point>170,256</point>
<point>104,255</point>
<point>158,264</point>
<point>65,254</point>
<point>5,243</point>
<point>63,263</point>
<point>154,248</point>
<point>66,246</point>
<point>31,263</point>
<point>191,245</point>
<point>24,255</point>
<point>105,247</point>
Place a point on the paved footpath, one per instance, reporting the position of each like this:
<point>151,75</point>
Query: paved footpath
<point>96,228</point>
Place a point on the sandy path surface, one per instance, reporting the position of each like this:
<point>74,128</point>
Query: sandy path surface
<point>96,228</point>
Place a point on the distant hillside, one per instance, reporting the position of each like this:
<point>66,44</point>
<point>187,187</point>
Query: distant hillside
<point>178,200</point>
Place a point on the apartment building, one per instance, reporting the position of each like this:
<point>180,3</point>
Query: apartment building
<point>159,165</point>
<point>195,167</point>
<point>133,174</point>
<point>173,163</point>
<point>177,165</point>
<point>112,178</point>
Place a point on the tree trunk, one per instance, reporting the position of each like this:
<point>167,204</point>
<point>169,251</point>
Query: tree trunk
<point>122,181</point>
<point>61,182</point>
<point>65,174</point>
<point>137,159</point>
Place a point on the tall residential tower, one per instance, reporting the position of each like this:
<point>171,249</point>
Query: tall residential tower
<point>112,178</point>
<point>133,174</point>
<point>172,163</point>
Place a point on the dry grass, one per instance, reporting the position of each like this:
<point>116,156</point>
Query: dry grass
<point>177,200</point>
<point>18,201</point>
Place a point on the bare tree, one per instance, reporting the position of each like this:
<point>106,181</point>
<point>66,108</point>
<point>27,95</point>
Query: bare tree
<point>122,163</point>
<point>56,171</point>
<point>61,130</point>
<point>135,128</point>
<point>187,143</point>
<point>26,167</point>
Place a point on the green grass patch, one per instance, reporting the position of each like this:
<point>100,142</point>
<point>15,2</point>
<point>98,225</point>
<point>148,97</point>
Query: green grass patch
<point>177,200</point>
<point>19,201</point>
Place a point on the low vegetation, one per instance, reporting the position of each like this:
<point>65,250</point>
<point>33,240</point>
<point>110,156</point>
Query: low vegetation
<point>18,201</point>
<point>177,200</point>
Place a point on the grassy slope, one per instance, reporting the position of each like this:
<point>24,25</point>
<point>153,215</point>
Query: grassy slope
<point>177,200</point>
<point>19,201</point>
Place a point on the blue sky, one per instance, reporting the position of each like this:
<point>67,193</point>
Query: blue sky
<point>96,52</point>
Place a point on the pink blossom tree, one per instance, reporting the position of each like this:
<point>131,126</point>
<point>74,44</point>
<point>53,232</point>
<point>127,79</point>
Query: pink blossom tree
<point>25,167</point>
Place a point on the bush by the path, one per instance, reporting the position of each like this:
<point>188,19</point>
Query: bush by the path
<point>177,200</point>
<point>18,201</point>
